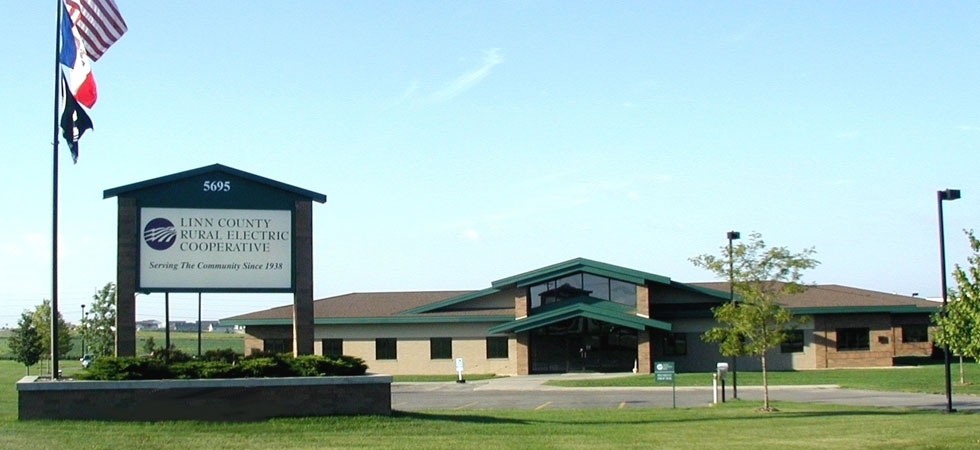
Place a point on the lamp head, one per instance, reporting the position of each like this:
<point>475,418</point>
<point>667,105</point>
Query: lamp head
<point>732,235</point>
<point>949,194</point>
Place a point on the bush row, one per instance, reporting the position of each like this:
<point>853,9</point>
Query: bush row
<point>255,366</point>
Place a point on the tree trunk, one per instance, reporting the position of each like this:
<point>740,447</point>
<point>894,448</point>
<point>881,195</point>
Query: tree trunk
<point>765,385</point>
<point>962,374</point>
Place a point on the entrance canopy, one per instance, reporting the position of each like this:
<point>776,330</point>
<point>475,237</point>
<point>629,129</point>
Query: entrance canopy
<point>584,306</point>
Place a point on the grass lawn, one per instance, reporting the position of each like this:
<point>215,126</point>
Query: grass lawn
<point>927,378</point>
<point>734,424</point>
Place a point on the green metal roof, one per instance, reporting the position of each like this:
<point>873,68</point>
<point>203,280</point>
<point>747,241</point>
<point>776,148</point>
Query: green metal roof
<point>579,265</point>
<point>894,309</point>
<point>591,307</point>
<point>146,184</point>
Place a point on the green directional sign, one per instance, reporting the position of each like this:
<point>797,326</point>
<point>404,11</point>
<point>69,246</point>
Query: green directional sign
<point>663,367</point>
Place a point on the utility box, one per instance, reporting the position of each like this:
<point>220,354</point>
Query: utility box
<point>722,370</point>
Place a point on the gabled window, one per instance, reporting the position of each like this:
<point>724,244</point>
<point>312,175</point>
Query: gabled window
<point>851,339</point>
<point>333,347</point>
<point>385,348</point>
<point>675,344</point>
<point>441,348</point>
<point>793,342</point>
<point>915,333</point>
<point>497,347</point>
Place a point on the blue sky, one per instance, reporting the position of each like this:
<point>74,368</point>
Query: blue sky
<point>462,142</point>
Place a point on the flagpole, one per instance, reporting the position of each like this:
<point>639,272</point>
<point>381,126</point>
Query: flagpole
<point>54,199</point>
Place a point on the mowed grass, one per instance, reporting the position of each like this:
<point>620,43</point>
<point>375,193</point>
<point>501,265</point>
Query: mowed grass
<point>735,424</point>
<point>927,378</point>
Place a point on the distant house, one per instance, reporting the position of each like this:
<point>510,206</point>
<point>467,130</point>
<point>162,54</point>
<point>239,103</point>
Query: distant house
<point>147,325</point>
<point>212,326</point>
<point>180,325</point>
<point>583,315</point>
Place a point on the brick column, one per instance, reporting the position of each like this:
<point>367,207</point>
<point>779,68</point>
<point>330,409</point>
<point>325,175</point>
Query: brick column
<point>643,301</point>
<point>523,353</point>
<point>303,278</point>
<point>127,251</point>
<point>521,306</point>
<point>644,352</point>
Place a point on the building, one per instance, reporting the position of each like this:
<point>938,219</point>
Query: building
<point>584,315</point>
<point>148,325</point>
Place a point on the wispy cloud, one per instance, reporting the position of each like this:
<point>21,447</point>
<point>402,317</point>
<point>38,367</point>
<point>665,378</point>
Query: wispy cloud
<point>471,234</point>
<point>469,79</point>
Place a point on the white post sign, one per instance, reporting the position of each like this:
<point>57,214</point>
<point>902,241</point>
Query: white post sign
<point>215,249</point>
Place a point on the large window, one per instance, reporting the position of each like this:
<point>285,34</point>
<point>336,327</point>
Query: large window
<point>793,342</point>
<point>582,284</point>
<point>441,348</point>
<point>385,348</point>
<point>915,333</point>
<point>333,347</point>
<point>675,344</point>
<point>277,345</point>
<point>497,347</point>
<point>850,339</point>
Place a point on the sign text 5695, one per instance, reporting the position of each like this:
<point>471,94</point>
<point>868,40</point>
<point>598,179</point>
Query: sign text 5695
<point>217,186</point>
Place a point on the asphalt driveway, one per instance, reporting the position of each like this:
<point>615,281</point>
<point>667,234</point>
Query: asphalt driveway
<point>530,392</point>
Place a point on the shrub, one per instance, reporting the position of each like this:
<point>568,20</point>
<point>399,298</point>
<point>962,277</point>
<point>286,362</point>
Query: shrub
<point>205,370</point>
<point>225,355</point>
<point>125,368</point>
<point>278,365</point>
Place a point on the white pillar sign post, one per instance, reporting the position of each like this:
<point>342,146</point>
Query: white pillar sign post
<point>459,370</point>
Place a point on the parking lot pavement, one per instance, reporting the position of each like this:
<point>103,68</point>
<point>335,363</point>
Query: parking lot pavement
<point>530,392</point>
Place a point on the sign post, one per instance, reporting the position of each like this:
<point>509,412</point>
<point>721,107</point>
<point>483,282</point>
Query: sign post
<point>459,370</point>
<point>664,371</point>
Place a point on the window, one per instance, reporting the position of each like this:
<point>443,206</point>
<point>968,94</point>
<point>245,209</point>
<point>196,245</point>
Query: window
<point>277,345</point>
<point>441,348</point>
<point>793,342</point>
<point>915,333</point>
<point>385,348</point>
<point>333,347</point>
<point>853,339</point>
<point>497,347</point>
<point>622,292</point>
<point>675,344</point>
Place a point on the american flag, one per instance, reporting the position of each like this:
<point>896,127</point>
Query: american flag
<point>98,24</point>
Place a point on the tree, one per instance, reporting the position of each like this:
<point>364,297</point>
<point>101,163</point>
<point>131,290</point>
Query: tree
<point>755,323</point>
<point>42,320</point>
<point>957,324</point>
<point>99,327</point>
<point>25,343</point>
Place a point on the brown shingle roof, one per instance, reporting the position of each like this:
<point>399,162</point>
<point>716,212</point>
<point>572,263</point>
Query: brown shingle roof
<point>835,295</point>
<point>371,304</point>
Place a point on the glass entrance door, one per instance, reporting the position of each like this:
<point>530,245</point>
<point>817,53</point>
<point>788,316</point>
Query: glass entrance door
<point>582,345</point>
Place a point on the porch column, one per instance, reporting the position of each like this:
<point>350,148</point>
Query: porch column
<point>644,351</point>
<point>523,353</point>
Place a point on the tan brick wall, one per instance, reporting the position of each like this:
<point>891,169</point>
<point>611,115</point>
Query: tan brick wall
<point>414,357</point>
<point>521,305</point>
<point>881,340</point>
<point>643,300</point>
<point>523,353</point>
<point>644,352</point>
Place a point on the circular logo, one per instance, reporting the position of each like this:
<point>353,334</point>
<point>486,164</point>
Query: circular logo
<point>160,234</point>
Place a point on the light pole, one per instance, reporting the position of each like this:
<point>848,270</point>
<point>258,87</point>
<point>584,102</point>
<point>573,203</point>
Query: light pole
<point>733,235</point>
<point>83,330</point>
<point>948,194</point>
